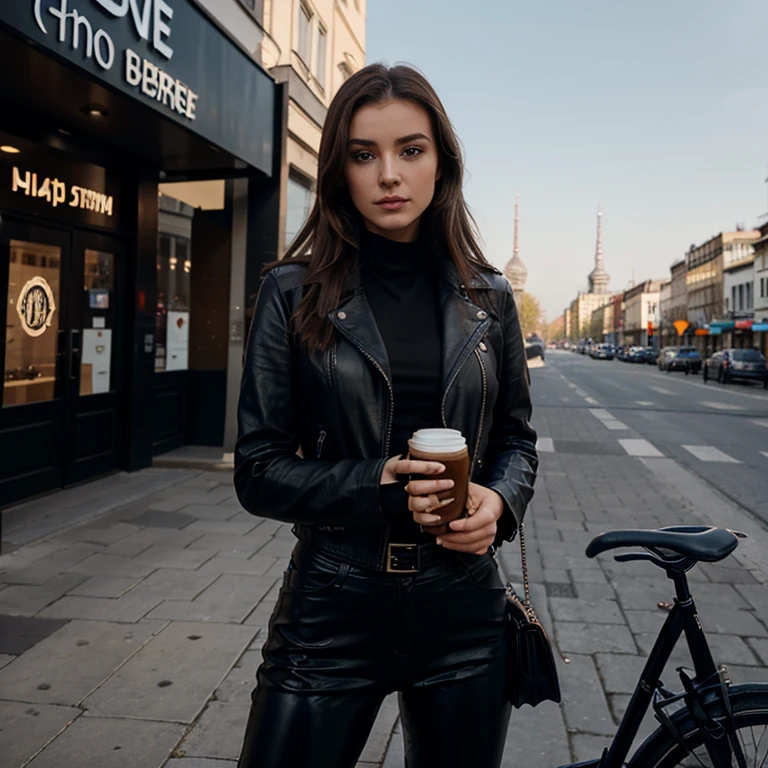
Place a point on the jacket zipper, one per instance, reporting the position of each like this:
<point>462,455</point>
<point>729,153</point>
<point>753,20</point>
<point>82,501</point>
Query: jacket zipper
<point>390,408</point>
<point>482,409</point>
<point>320,441</point>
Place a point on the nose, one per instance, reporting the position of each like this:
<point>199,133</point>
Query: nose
<point>389,175</point>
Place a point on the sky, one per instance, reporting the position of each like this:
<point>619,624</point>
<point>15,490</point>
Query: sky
<point>657,109</point>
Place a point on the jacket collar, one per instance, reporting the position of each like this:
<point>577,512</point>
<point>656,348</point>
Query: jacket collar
<point>464,322</point>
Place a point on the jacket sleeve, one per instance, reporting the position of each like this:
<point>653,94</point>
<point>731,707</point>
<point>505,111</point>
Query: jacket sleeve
<point>271,480</point>
<point>511,461</point>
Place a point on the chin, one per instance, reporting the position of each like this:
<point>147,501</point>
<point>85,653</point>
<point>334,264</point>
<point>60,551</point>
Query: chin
<point>394,222</point>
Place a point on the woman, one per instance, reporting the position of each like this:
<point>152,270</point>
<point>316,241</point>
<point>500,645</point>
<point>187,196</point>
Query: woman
<point>384,318</point>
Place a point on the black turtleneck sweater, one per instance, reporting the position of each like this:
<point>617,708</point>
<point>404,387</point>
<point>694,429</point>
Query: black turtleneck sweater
<point>400,284</point>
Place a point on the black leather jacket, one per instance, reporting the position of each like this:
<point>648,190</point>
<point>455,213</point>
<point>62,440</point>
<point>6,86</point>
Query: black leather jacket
<point>335,409</point>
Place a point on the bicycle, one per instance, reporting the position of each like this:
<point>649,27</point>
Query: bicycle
<point>714,725</point>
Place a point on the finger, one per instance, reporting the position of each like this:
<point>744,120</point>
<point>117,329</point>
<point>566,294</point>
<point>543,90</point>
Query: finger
<point>427,503</point>
<point>473,549</point>
<point>419,467</point>
<point>474,522</point>
<point>426,518</point>
<point>425,487</point>
<point>466,539</point>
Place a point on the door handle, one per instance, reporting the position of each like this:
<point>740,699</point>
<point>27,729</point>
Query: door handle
<point>74,352</point>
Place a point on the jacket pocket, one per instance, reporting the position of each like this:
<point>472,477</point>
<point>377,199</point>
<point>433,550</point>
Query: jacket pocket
<point>320,441</point>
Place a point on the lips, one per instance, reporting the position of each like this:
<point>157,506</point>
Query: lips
<point>391,203</point>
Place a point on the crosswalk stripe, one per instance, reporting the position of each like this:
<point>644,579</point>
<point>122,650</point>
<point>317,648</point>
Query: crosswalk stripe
<point>591,401</point>
<point>565,399</point>
<point>710,453</point>
<point>662,390</point>
<point>640,448</point>
<point>721,406</point>
<point>545,445</point>
<point>765,453</point>
<point>643,402</point>
<point>761,422</point>
<point>608,419</point>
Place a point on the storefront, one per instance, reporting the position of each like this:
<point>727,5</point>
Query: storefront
<point>107,107</point>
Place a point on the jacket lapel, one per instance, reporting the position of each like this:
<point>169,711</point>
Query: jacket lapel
<point>464,323</point>
<point>354,319</point>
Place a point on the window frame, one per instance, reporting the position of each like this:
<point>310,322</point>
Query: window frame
<point>308,14</point>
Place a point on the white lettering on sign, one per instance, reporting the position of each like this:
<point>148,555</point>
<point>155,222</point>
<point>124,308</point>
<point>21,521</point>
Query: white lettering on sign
<point>55,193</point>
<point>159,85</point>
<point>151,21</point>
<point>142,11</point>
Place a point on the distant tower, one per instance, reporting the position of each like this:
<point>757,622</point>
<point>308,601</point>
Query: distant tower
<point>515,270</point>
<point>598,277</point>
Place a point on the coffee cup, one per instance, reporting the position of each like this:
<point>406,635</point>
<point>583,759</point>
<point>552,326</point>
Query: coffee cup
<point>449,448</point>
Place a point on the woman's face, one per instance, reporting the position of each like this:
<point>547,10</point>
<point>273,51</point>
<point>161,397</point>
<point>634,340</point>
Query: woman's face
<point>391,167</point>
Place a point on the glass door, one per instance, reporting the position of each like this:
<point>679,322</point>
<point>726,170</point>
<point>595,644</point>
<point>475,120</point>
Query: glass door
<point>60,415</point>
<point>34,269</point>
<point>94,389</point>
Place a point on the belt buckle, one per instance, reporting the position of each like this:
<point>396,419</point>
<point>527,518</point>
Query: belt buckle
<point>403,558</point>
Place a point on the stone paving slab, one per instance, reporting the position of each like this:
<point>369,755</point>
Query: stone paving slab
<point>28,599</point>
<point>25,729</point>
<point>108,743</point>
<point>173,675</point>
<point>70,663</point>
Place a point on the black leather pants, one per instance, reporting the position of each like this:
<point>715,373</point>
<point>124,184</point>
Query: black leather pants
<point>341,638</point>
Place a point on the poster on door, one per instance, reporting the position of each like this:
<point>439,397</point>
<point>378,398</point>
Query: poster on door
<point>177,341</point>
<point>96,361</point>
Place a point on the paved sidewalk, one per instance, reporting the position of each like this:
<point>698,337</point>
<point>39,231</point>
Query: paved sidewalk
<point>132,639</point>
<point>134,636</point>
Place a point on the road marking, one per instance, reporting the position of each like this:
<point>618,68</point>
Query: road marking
<point>765,453</point>
<point>608,419</point>
<point>640,448</point>
<point>721,406</point>
<point>580,392</point>
<point>643,402</point>
<point>571,385</point>
<point>663,391</point>
<point>761,422</point>
<point>545,445</point>
<point>565,399</point>
<point>709,453</point>
<point>591,401</point>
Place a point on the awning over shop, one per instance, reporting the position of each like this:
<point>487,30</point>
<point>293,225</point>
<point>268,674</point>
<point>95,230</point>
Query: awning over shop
<point>760,327</point>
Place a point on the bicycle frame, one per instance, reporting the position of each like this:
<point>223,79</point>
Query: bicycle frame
<point>682,619</point>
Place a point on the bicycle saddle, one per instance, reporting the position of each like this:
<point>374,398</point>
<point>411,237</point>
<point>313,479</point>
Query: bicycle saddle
<point>699,542</point>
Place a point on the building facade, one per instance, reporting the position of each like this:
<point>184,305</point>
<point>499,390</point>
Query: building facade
<point>738,290</point>
<point>642,307</point>
<point>760,327</point>
<point>138,157</point>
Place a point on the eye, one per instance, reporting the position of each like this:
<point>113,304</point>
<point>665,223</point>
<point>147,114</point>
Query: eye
<point>362,157</point>
<point>413,151</point>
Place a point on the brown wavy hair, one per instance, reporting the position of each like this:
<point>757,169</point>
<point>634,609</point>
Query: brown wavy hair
<point>329,240</point>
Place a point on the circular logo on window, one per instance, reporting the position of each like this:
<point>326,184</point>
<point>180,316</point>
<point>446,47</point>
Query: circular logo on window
<point>36,306</point>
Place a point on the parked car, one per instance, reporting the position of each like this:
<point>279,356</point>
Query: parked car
<point>601,352</point>
<point>680,359</point>
<point>634,355</point>
<point>730,364</point>
<point>651,355</point>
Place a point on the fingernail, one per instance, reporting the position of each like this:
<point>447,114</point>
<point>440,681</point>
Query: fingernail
<point>446,502</point>
<point>440,468</point>
<point>446,483</point>
<point>433,518</point>
<point>439,540</point>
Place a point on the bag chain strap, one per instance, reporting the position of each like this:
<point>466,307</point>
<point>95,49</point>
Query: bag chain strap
<point>526,602</point>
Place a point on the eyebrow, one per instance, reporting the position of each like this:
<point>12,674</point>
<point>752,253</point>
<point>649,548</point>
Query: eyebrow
<point>402,140</point>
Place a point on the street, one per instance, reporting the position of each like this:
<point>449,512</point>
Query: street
<point>96,603</point>
<point>718,432</point>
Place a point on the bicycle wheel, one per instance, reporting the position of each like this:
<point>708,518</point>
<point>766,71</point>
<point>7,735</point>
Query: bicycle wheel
<point>750,713</point>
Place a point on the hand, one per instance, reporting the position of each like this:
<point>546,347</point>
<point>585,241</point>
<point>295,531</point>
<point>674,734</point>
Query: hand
<point>475,533</point>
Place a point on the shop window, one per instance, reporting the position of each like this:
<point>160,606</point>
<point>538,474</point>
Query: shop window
<point>300,199</point>
<point>174,268</point>
<point>32,323</point>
